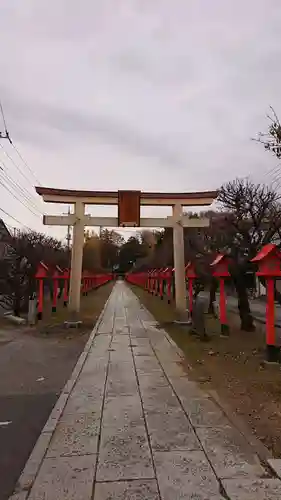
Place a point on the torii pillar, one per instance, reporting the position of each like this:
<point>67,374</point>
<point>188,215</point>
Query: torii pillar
<point>179,264</point>
<point>77,258</point>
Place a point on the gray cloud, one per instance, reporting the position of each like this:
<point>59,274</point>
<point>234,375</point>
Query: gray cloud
<point>165,93</point>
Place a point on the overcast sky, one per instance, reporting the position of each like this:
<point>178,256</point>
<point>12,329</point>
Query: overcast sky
<point>159,95</point>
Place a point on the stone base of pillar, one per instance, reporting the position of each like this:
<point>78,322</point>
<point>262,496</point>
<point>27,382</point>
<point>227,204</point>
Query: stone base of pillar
<point>224,330</point>
<point>72,324</point>
<point>272,354</point>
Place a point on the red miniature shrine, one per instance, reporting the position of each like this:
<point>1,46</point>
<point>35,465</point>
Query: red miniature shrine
<point>268,261</point>
<point>220,271</point>
<point>190,275</point>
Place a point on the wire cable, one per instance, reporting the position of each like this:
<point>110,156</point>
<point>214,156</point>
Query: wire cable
<point>18,199</point>
<point>15,165</point>
<point>25,163</point>
<point>15,148</point>
<point>2,113</point>
<point>14,218</point>
<point>21,190</point>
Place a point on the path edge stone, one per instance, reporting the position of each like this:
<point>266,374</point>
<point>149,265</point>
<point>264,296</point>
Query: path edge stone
<point>35,459</point>
<point>263,453</point>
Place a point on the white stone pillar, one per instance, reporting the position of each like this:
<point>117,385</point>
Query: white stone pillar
<point>76,258</point>
<point>179,265</point>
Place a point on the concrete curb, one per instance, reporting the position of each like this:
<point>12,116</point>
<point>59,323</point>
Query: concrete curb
<point>29,473</point>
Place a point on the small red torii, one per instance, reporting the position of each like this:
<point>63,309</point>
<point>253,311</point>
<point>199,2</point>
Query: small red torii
<point>220,266</point>
<point>41,273</point>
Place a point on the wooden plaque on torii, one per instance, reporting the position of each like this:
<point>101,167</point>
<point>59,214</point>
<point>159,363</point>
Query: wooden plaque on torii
<point>129,208</point>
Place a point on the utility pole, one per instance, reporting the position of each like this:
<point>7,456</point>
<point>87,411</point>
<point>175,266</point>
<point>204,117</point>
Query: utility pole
<point>68,236</point>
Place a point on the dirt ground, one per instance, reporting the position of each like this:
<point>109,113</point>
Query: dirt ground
<point>34,366</point>
<point>232,367</point>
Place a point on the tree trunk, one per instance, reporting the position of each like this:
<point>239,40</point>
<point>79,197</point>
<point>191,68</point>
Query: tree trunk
<point>212,296</point>
<point>247,323</point>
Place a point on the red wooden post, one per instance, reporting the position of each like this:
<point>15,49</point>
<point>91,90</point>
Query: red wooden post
<point>190,275</point>
<point>169,275</point>
<point>268,260</point>
<point>161,281</point>
<point>65,278</point>
<point>41,273</point>
<point>220,266</point>
<point>40,299</point>
<point>56,275</point>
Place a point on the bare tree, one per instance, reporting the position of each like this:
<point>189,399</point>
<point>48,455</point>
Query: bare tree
<point>271,140</point>
<point>253,219</point>
<point>19,269</point>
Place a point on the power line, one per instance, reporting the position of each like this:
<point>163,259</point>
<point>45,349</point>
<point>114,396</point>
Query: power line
<point>22,191</point>
<point>14,218</point>
<point>4,177</point>
<point>25,163</point>
<point>18,199</point>
<point>2,113</point>
<point>15,164</point>
<point>7,136</point>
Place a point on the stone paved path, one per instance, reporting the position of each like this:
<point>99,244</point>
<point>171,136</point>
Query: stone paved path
<point>130,425</point>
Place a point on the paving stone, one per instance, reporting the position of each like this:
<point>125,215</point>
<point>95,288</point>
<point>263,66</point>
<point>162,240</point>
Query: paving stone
<point>127,490</point>
<point>138,332</point>
<point>185,475</point>
<point>143,351</point>
<point>139,341</point>
<point>78,435</point>
<point>124,454</point>
<point>120,354</point>
<point>185,390</point>
<point>68,478</point>
<point>121,379</point>
<point>122,411</point>
<point>158,398</point>
<point>170,430</point>
<point>204,412</point>
<point>95,365</point>
<point>105,326</point>
<point>121,339</point>
<point>173,369</point>
<point>147,364</point>
<point>152,380</point>
<point>229,453</point>
<point>84,402</point>
<point>253,489</point>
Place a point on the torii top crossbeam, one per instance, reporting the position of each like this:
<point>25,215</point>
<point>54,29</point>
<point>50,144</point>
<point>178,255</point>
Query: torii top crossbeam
<point>53,195</point>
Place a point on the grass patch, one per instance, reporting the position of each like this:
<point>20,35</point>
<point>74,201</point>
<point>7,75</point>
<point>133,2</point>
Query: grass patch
<point>91,307</point>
